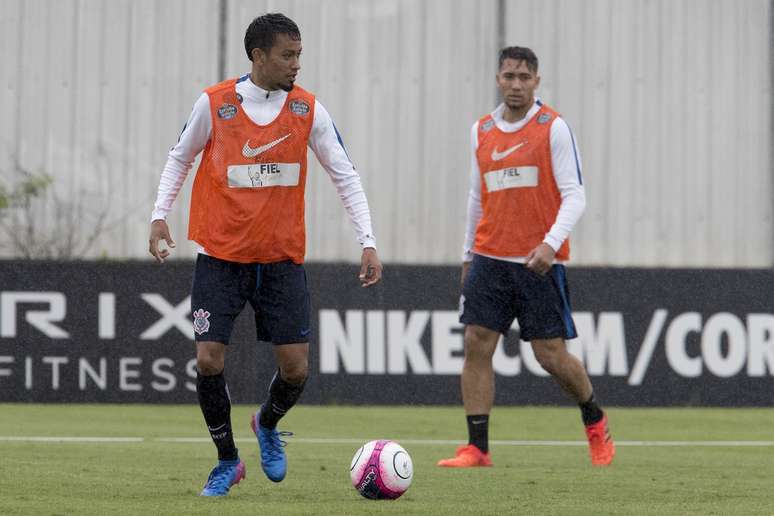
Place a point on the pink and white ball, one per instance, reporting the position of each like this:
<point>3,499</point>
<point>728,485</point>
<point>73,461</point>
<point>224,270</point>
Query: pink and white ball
<point>381,470</point>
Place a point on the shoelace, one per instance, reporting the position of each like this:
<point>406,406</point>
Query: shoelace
<point>276,444</point>
<point>219,478</point>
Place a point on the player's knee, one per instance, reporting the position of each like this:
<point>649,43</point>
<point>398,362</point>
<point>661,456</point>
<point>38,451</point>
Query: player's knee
<point>549,357</point>
<point>480,343</point>
<point>208,364</point>
<point>475,333</point>
<point>547,361</point>
<point>477,352</point>
<point>296,373</point>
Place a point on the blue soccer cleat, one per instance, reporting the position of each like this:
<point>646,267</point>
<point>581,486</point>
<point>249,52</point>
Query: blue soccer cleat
<point>226,474</point>
<point>273,460</point>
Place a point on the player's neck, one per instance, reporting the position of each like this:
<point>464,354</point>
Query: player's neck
<point>514,115</point>
<point>261,82</point>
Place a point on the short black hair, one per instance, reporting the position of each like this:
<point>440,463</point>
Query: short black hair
<point>262,32</point>
<point>519,54</point>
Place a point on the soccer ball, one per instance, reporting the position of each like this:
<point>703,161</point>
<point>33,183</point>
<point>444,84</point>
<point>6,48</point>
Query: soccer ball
<point>381,470</point>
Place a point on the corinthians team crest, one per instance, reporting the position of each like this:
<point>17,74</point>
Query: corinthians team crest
<point>201,321</point>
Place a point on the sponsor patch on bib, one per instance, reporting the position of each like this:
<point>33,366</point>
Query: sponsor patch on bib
<point>299,107</point>
<point>227,111</point>
<point>513,177</point>
<point>263,175</point>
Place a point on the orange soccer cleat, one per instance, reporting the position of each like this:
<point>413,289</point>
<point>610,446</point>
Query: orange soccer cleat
<point>468,456</point>
<point>601,445</point>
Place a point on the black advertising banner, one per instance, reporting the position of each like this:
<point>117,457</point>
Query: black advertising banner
<point>123,332</point>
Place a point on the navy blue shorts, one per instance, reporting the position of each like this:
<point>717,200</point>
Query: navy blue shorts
<point>496,292</point>
<point>277,292</point>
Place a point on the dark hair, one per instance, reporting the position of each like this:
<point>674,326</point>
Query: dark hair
<point>519,54</point>
<point>263,30</point>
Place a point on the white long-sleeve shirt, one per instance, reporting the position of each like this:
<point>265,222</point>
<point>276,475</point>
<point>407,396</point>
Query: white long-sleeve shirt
<point>262,107</point>
<point>566,162</point>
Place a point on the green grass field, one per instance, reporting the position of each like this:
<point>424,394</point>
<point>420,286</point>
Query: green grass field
<point>151,476</point>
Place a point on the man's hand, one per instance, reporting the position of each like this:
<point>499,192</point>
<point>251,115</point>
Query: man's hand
<point>540,259</point>
<point>465,269</point>
<point>370,268</point>
<point>159,231</point>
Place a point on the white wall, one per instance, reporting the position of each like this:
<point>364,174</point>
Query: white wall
<point>94,93</point>
<point>670,100</point>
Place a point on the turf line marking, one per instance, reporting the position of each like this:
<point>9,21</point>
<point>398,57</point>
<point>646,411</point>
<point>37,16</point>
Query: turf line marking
<point>322,440</point>
<point>325,440</point>
<point>695,443</point>
<point>67,439</point>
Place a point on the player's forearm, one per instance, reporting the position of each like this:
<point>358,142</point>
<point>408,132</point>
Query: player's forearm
<point>356,204</point>
<point>172,179</point>
<point>192,140</point>
<point>472,220</point>
<point>573,206</point>
<point>327,145</point>
<point>567,168</point>
<point>350,190</point>
<point>475,211</point>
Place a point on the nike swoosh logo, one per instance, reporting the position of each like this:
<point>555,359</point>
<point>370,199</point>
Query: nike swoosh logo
<point>478,422</point>
<point>249,152</point>
<point>216,429</point>
<point>497,156</point>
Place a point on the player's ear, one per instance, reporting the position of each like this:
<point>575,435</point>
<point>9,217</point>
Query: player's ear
<point>259,56</point>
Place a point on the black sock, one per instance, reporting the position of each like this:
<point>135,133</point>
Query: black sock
<point>590,411</point>
<point>478,432</point>
<point>282,396</point>
<point>216,408</point>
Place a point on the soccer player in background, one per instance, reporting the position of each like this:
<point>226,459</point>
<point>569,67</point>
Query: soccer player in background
<point>526,195</point>
<point>247,216</point>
